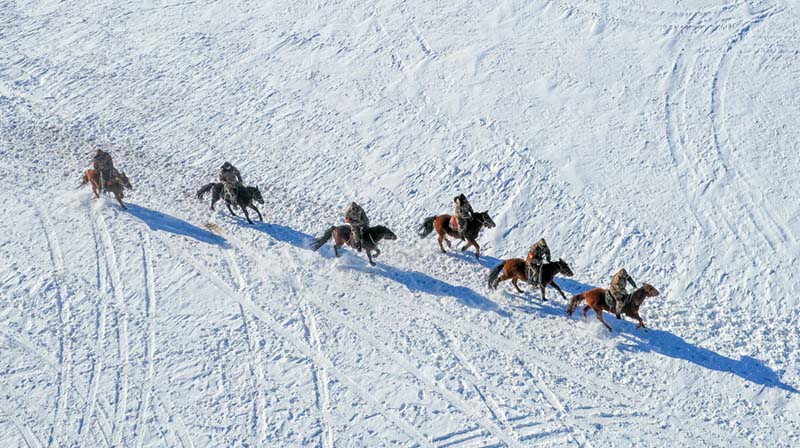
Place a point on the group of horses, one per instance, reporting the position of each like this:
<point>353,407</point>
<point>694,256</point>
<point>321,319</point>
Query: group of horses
<point>514,269</point>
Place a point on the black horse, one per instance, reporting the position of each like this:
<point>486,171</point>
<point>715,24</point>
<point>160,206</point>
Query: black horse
<point>245,197</point>
<point>369,239</point>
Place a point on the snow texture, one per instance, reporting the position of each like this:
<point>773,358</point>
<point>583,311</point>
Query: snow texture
<point>656,135</point>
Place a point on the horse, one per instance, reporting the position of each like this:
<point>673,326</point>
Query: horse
<point>516,270</point>
<point>369,239</point>
<point>596,300</point>
<point>244,198</point>
<point>443,227</point>
<point>116,184</point>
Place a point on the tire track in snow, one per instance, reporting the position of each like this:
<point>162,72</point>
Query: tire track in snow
<point>97,359</point>
<point>255,354</point>
<point>122,331</point>
<point>150,344</point>
<point>454,399</point>
<point>313,356</point>
<point>65,327</point>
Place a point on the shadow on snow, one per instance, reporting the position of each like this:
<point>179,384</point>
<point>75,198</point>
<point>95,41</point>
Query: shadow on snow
<point>160,221</point>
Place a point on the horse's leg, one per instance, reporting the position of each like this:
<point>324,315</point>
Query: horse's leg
<point>336,248</point>
<point>599,313</point>
<point>639,318</point>
<point>260,218</point>
<point>553,283</point>
<point>441,247</point>
<point>473,243</point>
<point>541,288</point>
<point>228,204</point>
<point>377,252</point>
<point>369,256</point>
<point>119,199</point>
<point>586,312</point>
<point>514,282</point>
<point>246,215</point>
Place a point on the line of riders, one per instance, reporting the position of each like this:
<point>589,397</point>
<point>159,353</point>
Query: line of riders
<point>465,225</point>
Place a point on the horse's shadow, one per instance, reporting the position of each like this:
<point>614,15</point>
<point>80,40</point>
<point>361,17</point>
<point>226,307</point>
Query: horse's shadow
<point>160,221</point>
<point>668,344</point>
<point>419,282</point>
<point>285,234</point>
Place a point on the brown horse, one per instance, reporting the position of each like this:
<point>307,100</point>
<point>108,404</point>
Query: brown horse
<point>516,270</point>
<point>369,239</point>
<point>116,184</point>
<point>441,223</point>
<point>596,300</point>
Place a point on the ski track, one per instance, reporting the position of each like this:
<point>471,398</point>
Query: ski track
<point>256,355</point>
<point>28,436</point>
<point>150,345</point>
<point>65,328</point>
<point>122,331</point>
<point>302,347</point>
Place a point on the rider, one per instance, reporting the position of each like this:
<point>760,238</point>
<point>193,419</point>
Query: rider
<point>463,214</point>
<point>231,179</point>
<point>536,256</point>
<point>357,218</point>
<point>618,290</point>
<point>104,165</point>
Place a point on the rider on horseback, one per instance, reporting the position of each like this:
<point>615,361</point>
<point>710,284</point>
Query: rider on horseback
<point>618,290</point>
<point>231,180</point>
<point>463,214</point>
<point>536,256</point>
<point>104,166</point>
<point>357,218</point>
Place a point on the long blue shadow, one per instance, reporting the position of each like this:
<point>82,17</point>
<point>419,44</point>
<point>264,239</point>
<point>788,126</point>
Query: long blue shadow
<point>668,344</point>
<point>419,282</point>
<point>285,234</point>
<point>160,221</point>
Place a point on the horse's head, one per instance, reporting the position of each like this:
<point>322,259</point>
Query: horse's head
<point>123,180</point>
<point>649,290</point>
<point>485,219</point>
<point>564,268</point>
<point>383,233</point>
<point>257,195</point>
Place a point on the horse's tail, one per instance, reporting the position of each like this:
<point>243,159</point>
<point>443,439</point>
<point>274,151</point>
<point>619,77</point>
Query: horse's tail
<point>317,243</point>
<point>204,189</point>
<point>426,227</point>
<point>492,278</point>
<point>574,302</point>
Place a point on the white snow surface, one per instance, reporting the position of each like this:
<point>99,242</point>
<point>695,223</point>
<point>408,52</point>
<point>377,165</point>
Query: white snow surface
<point>656,135</point>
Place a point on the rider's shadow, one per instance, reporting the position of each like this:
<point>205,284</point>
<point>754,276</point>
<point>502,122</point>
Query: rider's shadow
<point>419,282</point>
<point>668,344</point>
<point>285,234</point>
<point>161,221</point>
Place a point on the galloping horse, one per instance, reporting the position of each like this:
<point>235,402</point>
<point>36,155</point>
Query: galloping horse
<point>369,239</point>
<point>245,198</point>
<point>515,270</point>
<point>444,227</point>
<point>116,184</point>
<point>596,300</point>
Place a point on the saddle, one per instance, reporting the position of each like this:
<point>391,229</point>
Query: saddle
<point>454,223</point>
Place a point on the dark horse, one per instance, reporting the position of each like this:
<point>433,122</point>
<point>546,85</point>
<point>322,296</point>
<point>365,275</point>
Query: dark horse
<point>116,184</point>
<point>443,227</point>
<point>596,300</point>
<point>369,239</point>
<point>515,270</point>
<point>245,198</point>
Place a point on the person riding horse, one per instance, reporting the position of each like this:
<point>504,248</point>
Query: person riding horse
<point>231,179</point>
<point>104,165</point>
<point>535,259</point>
<point>357,218</point>
<point>463,214</point>
<point>618,290</point>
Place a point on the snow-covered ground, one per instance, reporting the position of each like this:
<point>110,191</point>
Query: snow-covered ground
<point>657,135</point>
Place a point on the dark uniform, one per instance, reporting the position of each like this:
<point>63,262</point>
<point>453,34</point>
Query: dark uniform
<point>463,214</point>
<point>536,256</point>
<point>618,289</point>
<point>104,165</point>
<point>231,179</point>
<point>357,218</point>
